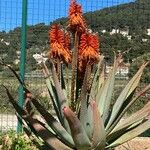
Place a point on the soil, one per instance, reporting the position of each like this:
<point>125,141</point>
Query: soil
<point>138,143</point>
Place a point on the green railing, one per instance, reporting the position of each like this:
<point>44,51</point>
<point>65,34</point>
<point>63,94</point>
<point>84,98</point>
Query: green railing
<point>23,56</point>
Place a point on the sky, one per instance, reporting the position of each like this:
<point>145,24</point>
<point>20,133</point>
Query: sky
<point>45,11</point>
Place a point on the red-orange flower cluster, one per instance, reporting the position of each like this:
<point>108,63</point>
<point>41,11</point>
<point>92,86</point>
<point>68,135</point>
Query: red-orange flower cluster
<point>88,49</point>
<point>76,20</point>
<point>59,44</point>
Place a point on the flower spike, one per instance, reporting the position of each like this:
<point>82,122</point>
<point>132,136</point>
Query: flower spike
<point>76,20</point>
<point>88,50</point>
<point>58,50</point>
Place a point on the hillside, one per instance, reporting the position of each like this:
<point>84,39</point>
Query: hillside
<point>134,16</point>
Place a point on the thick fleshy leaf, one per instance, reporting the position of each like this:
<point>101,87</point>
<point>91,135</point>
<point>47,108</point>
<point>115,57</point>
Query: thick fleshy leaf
<point>85,113</point>
<point>56,93</point>
<point>98,137</point>
<point>29,130</point>
<point>14,72</point>
<point>59,90</point>
<point>98,79</point>
<point>79,135</point>
<point>131,134</point>
<point>18,109</point>
<point>50,86</point>
<point>137,117</point>
<point>101,79</point>
<point>125,94</point>
<point>29,134</point>
<point>60,94</point>
<point>53,94</point>
<point>54,124</point>
<point>34,124</point>
<point>127,107</point>
<point>45,134</point>
<point>105,93</point>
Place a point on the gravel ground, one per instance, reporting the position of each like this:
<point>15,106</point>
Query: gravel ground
<point>138,143</point>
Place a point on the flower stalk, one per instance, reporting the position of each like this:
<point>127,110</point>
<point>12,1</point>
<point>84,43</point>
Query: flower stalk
<point>74,73</point>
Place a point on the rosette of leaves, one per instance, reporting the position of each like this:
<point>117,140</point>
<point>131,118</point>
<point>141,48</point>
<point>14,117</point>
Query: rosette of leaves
<point>95,122</point>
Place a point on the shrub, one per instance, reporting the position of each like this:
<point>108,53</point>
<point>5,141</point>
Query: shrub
<point>13,141</point>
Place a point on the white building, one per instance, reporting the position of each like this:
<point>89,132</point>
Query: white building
<point>144,40</point>
<point>7,43</point>
<point>114,31</point>
<point>148,31</point>
<point>122,70</point>
<point>16,61</point>
<point>129,37</point>
<point>124,32</point>
<point>103,31</point>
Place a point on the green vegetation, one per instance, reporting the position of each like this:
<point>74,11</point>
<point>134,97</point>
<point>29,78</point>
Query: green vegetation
<point>36,87</point>
<point>13,141</point>
<point>135,65</point>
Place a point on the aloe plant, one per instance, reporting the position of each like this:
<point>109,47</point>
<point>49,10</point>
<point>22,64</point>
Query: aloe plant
<point>85,118</point>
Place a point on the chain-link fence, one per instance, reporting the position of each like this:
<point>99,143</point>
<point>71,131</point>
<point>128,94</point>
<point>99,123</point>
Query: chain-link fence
<point>123,27</point>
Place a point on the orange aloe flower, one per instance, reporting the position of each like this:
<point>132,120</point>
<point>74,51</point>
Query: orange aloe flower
<point>88,50</point>
<point>76,20</point>
<point>58,50</point>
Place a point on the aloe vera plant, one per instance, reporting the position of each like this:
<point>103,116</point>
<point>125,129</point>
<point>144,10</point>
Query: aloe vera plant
<point>85,118</point>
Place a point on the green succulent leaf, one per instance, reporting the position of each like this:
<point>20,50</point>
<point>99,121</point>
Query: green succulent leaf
<point>131,134</point>
<point>13,71</point>
<point>98,79</point>
<point>54,124</point>
<point>33,139</point>
<point>105,93</point>
<point>53,94</point>
<point>18,109</point>
<point>35,125</point>
<point>126,108</point>
<point>60,94</point>
<point>44,133</point>
<point>125,94</point>
<point>27,130</point>
<point>85,112</point>
<point>57,84</point>
<point>98,137</point>
<point>79,135</point>
<point>135,118</point>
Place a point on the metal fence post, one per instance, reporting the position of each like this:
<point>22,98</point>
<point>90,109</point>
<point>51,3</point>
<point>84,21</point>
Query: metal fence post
<point>22,57</point>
